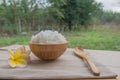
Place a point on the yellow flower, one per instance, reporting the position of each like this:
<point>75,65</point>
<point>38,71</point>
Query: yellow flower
<point>19,58</point>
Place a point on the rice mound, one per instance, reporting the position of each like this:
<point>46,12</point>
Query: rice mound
<point>48,37</point>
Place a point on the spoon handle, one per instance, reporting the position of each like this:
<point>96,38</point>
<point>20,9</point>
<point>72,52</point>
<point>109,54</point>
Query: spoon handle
<point>93,68</point>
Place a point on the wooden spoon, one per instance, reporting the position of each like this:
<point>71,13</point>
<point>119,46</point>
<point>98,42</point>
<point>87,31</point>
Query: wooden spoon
<point>80,53</point>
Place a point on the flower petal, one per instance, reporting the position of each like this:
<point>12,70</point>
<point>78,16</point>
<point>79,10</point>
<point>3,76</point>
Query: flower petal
<point>23,49</point>
<point>19,58</point>
<point>11,53</point>
<point>12,63</point>
<point>22,63</point>
<point>18,51</point>
<point>17,55</point>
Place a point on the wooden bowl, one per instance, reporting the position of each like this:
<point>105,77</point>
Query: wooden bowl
<point>48,51</point>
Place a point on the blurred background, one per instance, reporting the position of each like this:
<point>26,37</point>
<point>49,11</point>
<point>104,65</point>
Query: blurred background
<point>91,24</point>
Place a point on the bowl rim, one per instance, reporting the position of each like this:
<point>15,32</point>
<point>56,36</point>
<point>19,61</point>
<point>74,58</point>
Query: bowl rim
<point>48,44</point>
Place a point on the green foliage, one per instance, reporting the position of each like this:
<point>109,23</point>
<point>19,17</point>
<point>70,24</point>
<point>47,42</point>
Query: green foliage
<point>11,29</point>
<point>35,15</point>
<point>72,12</point>
<point>107,17</point>
<point>21,13</point>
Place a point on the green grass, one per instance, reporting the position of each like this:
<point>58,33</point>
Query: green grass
<point>95,40</point>
<point>18,39</point>
<point>99,40</point>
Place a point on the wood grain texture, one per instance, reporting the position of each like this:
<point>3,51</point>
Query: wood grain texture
<point>67,67</point>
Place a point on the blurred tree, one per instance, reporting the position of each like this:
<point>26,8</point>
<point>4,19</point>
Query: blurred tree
<point>27,15</point>
<point>107,17</point>
<point>71,12</point>
<point>21,14</point>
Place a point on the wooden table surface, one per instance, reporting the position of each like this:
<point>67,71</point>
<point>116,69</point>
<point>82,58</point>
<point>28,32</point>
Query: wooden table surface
<point>108,58</point>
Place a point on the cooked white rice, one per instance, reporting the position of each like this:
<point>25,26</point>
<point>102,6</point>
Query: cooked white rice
<point>48,37</point>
